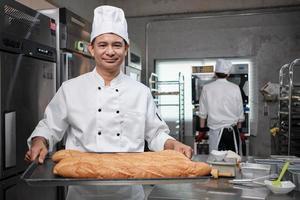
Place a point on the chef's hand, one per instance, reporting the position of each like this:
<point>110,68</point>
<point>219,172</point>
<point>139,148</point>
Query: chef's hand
<point>200,136</point>
<point>39,149</point>
<point>180,147</point>
<point>243,137</point>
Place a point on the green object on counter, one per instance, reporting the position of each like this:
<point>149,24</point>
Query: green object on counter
<point>277,182</point>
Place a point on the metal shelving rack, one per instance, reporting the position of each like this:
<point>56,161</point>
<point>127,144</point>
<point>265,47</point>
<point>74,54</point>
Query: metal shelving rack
<point>157,91</point>
<point>289,110</point>
<point>282,137</point>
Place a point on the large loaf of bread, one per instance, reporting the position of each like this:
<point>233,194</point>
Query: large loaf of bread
<point>163,164</point>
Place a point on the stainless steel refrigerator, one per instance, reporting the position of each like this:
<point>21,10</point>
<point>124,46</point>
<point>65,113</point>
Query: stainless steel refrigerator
<point>28,82</point>
<point>133,62</point>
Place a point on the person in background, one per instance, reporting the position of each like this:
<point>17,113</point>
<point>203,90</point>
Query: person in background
<point>221,109</point>
<point>103,110</point>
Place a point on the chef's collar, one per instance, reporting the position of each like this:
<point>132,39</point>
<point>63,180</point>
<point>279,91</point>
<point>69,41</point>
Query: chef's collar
<point>100,80</point>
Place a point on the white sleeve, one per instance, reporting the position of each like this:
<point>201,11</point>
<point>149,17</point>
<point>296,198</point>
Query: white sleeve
<point>53,125</point>
<point>203,104</point>
<point>156,130</point>
<point>239,102</point>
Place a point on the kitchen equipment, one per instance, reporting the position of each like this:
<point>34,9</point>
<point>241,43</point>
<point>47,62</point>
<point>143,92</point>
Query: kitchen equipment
<point>293,174</point>
<point>277,182</point>
<point>253,170</point>
<point>215,173</point>
<point>133,62</point>
<point>287,141</point>
<point>285,187</point>
<point>73,38</point>
<point>254,181</point>
<point>221,167</point>
<point>28,82</point>
<point>224,168</point>
<point>42,175</point>
<point>284,158</point>
<point>218,155</point>
<point>274,163</point>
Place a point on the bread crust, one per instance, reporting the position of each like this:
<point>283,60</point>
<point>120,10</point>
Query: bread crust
<point>163,164</point>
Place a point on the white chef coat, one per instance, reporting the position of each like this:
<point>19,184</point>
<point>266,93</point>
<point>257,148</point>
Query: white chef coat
<point>99,118</point>
<point>222,105</point>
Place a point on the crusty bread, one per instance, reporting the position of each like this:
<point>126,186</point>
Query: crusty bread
<point>59,155</point>
<point>163,164</point>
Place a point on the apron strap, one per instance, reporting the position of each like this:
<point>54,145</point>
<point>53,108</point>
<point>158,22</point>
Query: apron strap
<point>240,142</point>
<point>235,143</point>
<point>219,137</point>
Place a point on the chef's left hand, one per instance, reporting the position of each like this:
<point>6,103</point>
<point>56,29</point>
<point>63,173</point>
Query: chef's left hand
<point>180,147</point>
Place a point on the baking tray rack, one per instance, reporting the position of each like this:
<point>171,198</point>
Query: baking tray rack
<point>42,175</point>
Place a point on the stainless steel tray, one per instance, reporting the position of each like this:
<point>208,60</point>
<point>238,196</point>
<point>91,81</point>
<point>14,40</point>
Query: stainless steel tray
<point>41,175</point>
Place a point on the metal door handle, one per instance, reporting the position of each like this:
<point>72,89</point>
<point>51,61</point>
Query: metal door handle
<point>10,139</point>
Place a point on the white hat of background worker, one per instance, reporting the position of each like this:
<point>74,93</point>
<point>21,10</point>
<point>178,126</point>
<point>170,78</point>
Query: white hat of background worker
<point>223,66</point>
<point>109,19</point>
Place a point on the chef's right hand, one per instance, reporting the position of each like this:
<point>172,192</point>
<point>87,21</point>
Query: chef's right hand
<point>38,150</point>
<point>200,136</point>
<point>243,137</point>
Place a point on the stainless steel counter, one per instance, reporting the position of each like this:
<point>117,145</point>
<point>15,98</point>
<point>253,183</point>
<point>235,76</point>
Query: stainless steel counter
<point>214,189</point>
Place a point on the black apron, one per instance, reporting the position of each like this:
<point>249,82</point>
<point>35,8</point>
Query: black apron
<point>227,139</point>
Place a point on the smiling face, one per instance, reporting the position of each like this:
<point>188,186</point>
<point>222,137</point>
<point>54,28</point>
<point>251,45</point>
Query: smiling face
<point>109,51</point>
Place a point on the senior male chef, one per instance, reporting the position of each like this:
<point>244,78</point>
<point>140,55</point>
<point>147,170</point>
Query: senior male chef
<point>221,108</point>
<point>104,110</point>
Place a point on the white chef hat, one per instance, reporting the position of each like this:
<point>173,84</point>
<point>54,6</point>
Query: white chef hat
<point>223,66</point>
<point>109,19</point>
